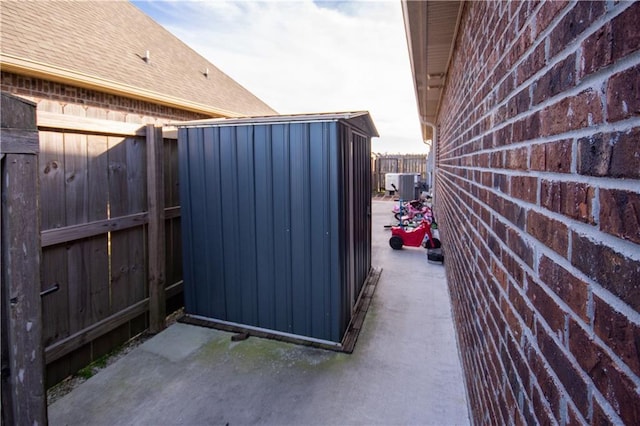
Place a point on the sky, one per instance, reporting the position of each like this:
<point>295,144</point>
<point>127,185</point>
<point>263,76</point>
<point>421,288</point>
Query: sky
<point>306,56</point>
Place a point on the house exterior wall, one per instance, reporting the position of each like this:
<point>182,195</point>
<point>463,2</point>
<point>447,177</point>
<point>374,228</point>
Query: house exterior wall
<point>100,104</point>
<point>538,198</point>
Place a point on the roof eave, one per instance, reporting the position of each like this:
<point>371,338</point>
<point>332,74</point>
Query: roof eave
<point>17,65</point>
<point>431,29</point>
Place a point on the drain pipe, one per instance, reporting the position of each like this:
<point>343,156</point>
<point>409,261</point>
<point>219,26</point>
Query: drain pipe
<point>432,156</point>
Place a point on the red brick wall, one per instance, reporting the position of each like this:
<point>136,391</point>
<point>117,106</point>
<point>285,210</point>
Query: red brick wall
<point>116,108</point>
<point>538,196</point>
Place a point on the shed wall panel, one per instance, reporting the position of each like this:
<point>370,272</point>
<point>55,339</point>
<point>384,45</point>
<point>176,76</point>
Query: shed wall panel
<point>265,219</point>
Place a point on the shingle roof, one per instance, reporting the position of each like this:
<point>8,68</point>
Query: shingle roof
<point>103,44</point>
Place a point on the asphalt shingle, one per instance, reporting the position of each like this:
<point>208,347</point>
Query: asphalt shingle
<point>108,40</point>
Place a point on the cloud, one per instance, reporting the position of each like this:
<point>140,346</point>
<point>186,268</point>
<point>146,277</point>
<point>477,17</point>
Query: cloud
<point>302,56</point>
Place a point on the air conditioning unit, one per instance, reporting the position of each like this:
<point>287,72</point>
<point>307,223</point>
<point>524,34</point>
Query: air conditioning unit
<point>392,182</point>
<point>401,184</point>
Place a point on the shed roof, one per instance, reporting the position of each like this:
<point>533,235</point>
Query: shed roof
<point>102,45</point>
<point>359,119</point>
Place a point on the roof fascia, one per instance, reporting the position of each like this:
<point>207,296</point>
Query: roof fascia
<point>416,14</point>
<point>17,65</point>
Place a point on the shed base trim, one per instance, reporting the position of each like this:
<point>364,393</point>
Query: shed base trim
<point>348,342</point>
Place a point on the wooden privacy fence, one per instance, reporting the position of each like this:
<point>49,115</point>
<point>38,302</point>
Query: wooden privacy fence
<point>111,250</point>
<point>23,392</point>
<point>382,164</point>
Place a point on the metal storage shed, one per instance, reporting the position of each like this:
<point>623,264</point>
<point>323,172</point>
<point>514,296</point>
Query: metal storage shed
<point>276,221</point>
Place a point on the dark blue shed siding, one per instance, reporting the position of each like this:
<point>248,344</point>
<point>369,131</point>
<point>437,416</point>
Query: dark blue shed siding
<point>266,232</point>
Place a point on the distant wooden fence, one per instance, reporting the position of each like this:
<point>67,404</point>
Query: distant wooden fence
<point>382,164</point>
<point>111,250</point>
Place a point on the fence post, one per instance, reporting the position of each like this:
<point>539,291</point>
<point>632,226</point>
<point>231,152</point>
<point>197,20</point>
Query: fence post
<point>23,393</point>
<point>156,231</point>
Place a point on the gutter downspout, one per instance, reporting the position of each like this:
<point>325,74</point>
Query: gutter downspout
<point>432,154</point>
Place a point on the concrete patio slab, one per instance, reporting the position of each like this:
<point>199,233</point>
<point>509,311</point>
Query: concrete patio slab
<point>405,368</point>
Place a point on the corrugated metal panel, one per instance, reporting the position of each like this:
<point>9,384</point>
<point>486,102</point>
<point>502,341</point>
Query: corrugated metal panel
<point>273,232</point>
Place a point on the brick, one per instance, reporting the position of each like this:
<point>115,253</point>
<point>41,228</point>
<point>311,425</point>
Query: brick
<point>499,274</point>
<point>552,314</point>
<point>520,305</point>
<point>42,89</point>
<point>502,136</point>
<point>541,409</point>
<point>483,160</point>
<point>500,229</point>
<point>520,247</point>
<point>614,154</point>
<point>618,389</point>
<point>501,182</point>
<point>516,159</point>
<point>486,178</point>
<point>548,11</point>
<point>574,418</point>
<point>625,32</point>
<point>525,188</point>
<point>515,326</point>
<point>572,113</point>
<point>572,290</point>
<point>552,156</point>
<point>532,63</point>
<point>612,270</point>
<point>558,79</point>
<point>600,416</point>
<point>522,101</point>
<point>623,94</point>
<point>550,232</point>
<point>574,23</point>
<point>571,199</point>
<point>620,214</point>
<point>513,212</point>
<point>526,128</point>
<point>514,267</point>
<point>566,371</point>
<point>551,394</point>
<point>596,51</point>
<point>583,348</point>
<point>615,330</point>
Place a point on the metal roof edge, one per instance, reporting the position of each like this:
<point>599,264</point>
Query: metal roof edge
<point>282,119</point>
<point>11,63</point>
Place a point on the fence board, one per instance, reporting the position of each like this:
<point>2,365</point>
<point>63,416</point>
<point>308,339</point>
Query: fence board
<point>173,242</point>
<point>71,233</point>
<point>137,202</point>
<point>55,306</point>
<point>118,198</point>
<point>156,229</point>
<point>22,387</point>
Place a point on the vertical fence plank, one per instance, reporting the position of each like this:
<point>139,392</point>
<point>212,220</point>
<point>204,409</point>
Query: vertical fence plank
<point>96,248</point>
<point>118,207</point>
<point>77,203</point>
<point>23,394</point>
<point>55,307</point>
<point>173,243</point>
<point>137,202</point>
<point>156,236</point>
